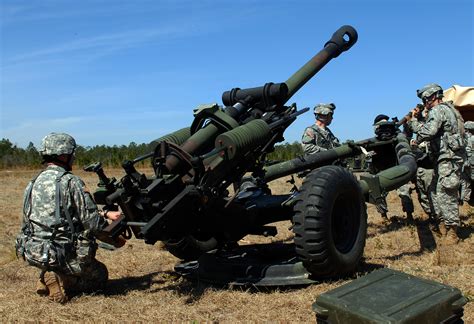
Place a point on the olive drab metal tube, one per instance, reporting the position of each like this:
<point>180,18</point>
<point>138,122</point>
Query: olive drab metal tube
<point>396,176</point>
<point>178,137</point>
<point>243,138</point>
<point>341,41</point>
<point>311,161</point>
<point>389,179</point>
<point>199,139</point>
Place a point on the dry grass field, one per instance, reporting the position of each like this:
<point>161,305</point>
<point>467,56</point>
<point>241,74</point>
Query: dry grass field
<point>143,286</point>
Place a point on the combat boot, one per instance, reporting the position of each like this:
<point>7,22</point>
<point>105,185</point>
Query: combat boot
<point>55,285</point>
<point>41,288</point>
<point>451,235</point>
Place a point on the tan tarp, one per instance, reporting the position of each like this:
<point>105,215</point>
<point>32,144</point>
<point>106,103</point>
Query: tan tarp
<point>463,99</point>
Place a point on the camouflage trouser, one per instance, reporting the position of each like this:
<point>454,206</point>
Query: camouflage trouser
<point>466,183</point>
<point>404,192</point>
<point>446,180</point>
<point>424,178</point>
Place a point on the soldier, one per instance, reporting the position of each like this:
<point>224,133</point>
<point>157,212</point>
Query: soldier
<point>424,176</point>
<point>59,225</point>
<point>466,178</point>
<point>318,137</point>
<point>442,131</point>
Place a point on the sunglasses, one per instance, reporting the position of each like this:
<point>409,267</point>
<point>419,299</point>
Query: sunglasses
<point>427,99</point>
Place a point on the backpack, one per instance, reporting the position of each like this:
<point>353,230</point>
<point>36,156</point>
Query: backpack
<point>44,252</point>
<point>455,139</point>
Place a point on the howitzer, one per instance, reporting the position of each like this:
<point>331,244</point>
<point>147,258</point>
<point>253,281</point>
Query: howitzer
<point>187,202</point>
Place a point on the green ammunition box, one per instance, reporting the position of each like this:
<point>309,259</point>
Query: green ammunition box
<point>389,296</point>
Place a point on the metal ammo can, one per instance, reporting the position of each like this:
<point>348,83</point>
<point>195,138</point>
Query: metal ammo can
<point>389,296</point>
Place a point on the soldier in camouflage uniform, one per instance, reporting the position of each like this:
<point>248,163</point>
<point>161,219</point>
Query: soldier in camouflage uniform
<point>424,176</point>
<point>60,224</point>
<point>468,168</point>
<point>469,137</point>
<point>318,137</point>
<point>442,131</point>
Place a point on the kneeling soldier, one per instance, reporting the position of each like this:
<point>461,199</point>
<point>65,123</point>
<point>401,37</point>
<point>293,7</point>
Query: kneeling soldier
<point>60,225</point>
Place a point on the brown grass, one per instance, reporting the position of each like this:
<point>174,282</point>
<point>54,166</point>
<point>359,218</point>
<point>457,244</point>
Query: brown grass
<point>143,286</point>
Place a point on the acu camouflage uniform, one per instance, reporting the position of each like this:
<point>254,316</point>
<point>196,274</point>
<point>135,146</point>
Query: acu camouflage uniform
<point>447,146</point>
<point>424,183</point>
<point>59,222</point>
<point>317,139</point>
<point>424,176</point>
<point>468,167</point>
<point>469,138</point>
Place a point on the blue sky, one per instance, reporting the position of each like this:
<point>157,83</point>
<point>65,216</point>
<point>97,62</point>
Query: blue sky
<point>113,72</point>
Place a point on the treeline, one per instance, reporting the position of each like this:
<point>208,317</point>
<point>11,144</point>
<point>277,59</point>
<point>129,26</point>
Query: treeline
<point>12,156</point>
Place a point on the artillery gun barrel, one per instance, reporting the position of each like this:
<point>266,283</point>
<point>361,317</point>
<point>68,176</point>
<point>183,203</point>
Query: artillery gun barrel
<point>341,41</point>
<point>311,161</point>
<point>389,179</point>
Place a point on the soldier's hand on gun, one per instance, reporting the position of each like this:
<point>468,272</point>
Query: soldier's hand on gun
<point>417,110</point>
<point>112,215</point>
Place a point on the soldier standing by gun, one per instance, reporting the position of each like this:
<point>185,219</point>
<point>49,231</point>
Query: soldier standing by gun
<point>446,145</point>
<point>424,175</point>
<point>468,172</point>
<point>60,224</point>
<point>318,137</point>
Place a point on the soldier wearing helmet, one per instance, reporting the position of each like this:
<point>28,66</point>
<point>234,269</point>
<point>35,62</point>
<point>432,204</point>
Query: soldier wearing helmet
<point>60,225</point>
<point>443,131</point>
<point>318,137</point>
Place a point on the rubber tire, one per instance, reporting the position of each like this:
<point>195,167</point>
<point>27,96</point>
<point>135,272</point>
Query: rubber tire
<point>330,222</point>
<point>189,248</point>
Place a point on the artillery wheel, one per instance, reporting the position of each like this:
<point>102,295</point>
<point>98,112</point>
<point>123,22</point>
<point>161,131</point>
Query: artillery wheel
<point>330,222</point>
<point>189,248</point>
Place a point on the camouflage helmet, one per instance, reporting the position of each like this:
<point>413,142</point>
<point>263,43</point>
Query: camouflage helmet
<point>469,125</point>
<point>57,144</point>
<point>324,109</point>
<point>429,90</point>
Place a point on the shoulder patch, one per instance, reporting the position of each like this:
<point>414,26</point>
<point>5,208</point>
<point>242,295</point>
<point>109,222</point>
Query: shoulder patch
<point>309,132</point>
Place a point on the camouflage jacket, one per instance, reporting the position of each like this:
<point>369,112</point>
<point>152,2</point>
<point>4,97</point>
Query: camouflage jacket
<point>442,131</point>
<point>316,139</point>
<point>42,235</point>
<point>470,147</point>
